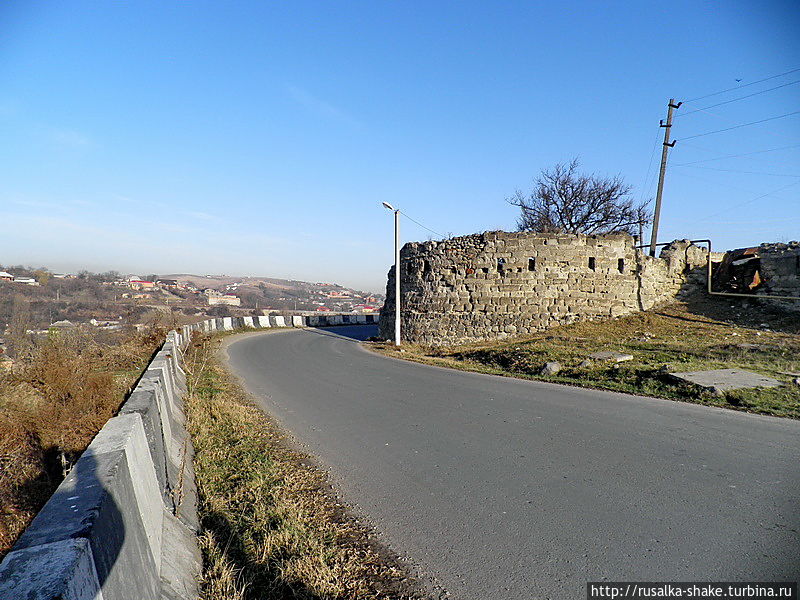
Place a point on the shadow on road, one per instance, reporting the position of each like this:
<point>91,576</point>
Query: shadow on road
<point>352,333</point>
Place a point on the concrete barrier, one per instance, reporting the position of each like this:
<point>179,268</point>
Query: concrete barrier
<point>123,522</point>
<point>262,322</point>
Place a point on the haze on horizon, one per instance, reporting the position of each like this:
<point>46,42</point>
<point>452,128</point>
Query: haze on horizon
<point>256,139</point>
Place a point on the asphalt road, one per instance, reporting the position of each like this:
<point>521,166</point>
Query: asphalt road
<point>501,488</point>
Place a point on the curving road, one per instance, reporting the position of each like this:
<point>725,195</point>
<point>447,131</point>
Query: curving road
<point>501,488</point>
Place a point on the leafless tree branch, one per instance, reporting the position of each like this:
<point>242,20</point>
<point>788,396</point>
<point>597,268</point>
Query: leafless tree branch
<point>563,200</point>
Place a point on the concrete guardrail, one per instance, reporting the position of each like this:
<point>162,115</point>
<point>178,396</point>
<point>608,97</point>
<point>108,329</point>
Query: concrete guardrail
<point>231,323</point>
<point>123,523</point>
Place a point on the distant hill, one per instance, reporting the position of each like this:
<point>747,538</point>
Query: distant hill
<point>282,294</point>
<point>109,297</point>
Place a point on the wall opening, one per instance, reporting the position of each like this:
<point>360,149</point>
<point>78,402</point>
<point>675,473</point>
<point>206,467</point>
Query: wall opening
<point>592,263</point>
<point>621,265</point>
<point>531,264</point>
<point>501,263</point>
<point>485,269</point>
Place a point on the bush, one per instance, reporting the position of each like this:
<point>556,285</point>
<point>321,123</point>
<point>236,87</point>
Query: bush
<point>53,404</point>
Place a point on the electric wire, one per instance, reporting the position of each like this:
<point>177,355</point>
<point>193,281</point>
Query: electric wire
<point>423,226</point>
<point>696,110</point>
<point>768,131</point>
<point>779,134</point>
<point>649,166</point>
<point>694,162</point>
<point>737,171</point>
<point>689,137</point>
<point>740,204</point>
<point>727,185</point>
<point>739,87</point>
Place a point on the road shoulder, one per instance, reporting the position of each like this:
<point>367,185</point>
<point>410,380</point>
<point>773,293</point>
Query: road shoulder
<point>272,524</point>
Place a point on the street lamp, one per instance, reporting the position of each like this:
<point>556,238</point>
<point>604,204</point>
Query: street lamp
<point>396,271</point>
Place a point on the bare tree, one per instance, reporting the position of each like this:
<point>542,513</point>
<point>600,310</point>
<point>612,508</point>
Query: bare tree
<point>19,341</point>
<point>563,200</point>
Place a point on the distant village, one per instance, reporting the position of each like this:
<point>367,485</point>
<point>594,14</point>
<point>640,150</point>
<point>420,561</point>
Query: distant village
<point>111,301</point>
<point>326,297</point>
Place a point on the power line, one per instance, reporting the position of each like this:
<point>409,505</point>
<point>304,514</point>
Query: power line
<point>740,98</point>
<point>649,166</point>
<point>727,185</point>
<point>739,126</point>
<point>740,204</point>
<point>770,132</point>
<point>738,171</point>
<point>786,221</point>
<point>738,87</point>
<point>694,162</point>
<point>421,225</point>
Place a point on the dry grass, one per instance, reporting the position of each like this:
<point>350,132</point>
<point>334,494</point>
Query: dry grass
<point>696,335</point>
<point>271,529</point>
<point>52,403</point>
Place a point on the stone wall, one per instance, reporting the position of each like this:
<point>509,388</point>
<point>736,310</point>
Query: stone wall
<point>780,268</point>
<point>496,284</point>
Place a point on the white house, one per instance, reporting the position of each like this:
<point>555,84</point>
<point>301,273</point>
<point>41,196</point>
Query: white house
<point>26,280</point>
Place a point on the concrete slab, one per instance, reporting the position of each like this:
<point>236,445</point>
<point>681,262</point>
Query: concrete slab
<point>181,562</point>
<point>63,569</point>
<point>610,355</point>
<point>126,433</point>
<point>726,379</point>
<point>144,402</point>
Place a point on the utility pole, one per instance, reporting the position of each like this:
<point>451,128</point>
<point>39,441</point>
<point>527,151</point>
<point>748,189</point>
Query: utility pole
<point>397,278</point>
<point>396,212</point>
<point>664,151</point>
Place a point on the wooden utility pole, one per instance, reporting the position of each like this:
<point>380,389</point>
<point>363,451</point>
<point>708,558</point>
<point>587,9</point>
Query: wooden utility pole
<point>664,150</point>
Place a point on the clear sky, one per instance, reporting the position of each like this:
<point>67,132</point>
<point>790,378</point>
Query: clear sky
<point>259,138</point>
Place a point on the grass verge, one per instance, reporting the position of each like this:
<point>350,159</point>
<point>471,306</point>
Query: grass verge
<point>270,526</point>
<point>699,334</point>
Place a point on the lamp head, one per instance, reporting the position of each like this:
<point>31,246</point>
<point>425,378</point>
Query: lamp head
<point>387,205</point>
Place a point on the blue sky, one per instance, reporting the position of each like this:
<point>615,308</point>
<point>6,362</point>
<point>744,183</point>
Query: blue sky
<point>256,138</point>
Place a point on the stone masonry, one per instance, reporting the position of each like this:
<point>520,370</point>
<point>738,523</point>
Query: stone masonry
<point>780,268</point>
<point>495,284</point>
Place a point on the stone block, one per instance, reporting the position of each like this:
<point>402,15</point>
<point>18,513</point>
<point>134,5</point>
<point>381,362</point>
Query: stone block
<point>726,379</point>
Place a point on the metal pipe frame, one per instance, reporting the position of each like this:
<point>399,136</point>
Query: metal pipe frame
<point>708,276</point>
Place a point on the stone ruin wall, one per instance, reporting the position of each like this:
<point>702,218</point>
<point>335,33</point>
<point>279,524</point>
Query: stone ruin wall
<point>495,284</point>
<point>780,267</point>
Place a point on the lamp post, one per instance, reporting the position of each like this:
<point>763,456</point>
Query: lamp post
<point>396,271</point>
